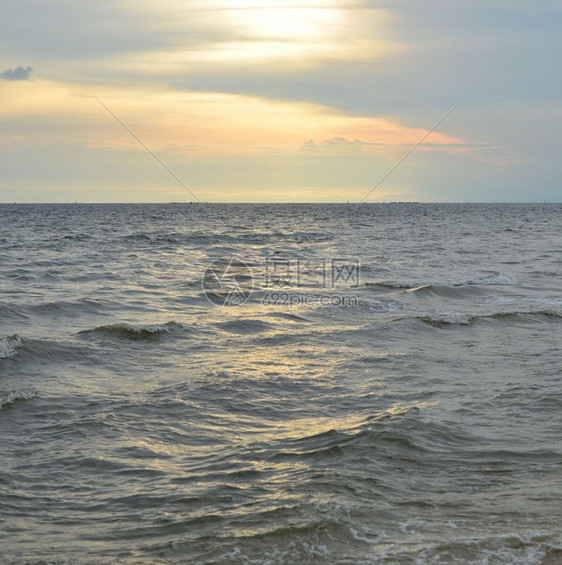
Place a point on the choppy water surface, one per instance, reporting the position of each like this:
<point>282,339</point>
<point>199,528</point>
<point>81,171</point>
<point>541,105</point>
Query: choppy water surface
<point>419,422</point>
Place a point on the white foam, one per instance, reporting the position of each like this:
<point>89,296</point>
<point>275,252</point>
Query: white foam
<point>357,536</point>
<point>528,548</point>
<point>461,319</point>
<point>453,318</point>
<point>408,526</point>
<point>389,306</point>
<point>9,346</point>
<point>553,305</point>
<point>496,279</point>
<point>10,397</point>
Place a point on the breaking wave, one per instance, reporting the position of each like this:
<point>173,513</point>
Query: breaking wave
<point>460,319</point>
<point>139,332</point>
<point>7,398</point>
<point>9,346</point>
<point>496,279</point>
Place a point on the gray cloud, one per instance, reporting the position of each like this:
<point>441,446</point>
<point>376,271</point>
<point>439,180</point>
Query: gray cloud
<point>19,73</point>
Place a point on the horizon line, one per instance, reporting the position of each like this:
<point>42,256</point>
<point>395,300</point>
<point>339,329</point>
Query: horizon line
<point>345,203</point>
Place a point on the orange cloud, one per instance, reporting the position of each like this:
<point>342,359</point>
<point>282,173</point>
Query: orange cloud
<point>198,124</point>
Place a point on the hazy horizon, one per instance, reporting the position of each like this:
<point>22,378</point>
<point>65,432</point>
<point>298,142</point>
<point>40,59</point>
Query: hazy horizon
<point>350,203</point>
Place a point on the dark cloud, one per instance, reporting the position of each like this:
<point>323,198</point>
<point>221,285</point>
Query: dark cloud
<point>19,73</point>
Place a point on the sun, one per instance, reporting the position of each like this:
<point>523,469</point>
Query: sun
<point>287,21</point>
<point>292,34</point>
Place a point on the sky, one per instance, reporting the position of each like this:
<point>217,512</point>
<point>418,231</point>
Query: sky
<point>281,100</point>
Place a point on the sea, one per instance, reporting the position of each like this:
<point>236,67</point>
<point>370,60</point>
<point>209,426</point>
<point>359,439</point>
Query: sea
<point>281,384</point>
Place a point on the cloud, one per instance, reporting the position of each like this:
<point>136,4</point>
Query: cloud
<point>19,73</point>
<point>202,123</point>
<point>227,147</point>
<point>234,88</point>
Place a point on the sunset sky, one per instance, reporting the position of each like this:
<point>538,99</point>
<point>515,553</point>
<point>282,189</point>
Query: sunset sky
<point>277,100</point>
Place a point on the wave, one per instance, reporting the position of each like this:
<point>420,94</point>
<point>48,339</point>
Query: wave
<point>385,305</point>
<point>132,332</point>
<point>285,317</point>
<point>177,238</point>
<point>79,236</point>
<point>81,306</point>
<point>387,432</point>
<point>11,311</point>
<point>18,347</point>
<point>447,319</point>
<point>531,547</point>
<point>9,346</point>
<point>496,279</point>
<point>460,319</point>
<point>25,311</point>
<point>7,398</point>
<point>245,326</point>
<point>303,236</point>
<point>452,292</point>
<point>205,238</point>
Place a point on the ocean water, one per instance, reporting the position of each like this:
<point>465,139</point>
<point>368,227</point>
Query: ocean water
<point>380,384</point>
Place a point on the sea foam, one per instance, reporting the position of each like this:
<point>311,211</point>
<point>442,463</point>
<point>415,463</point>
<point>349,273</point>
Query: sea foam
<point>9,346</point>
